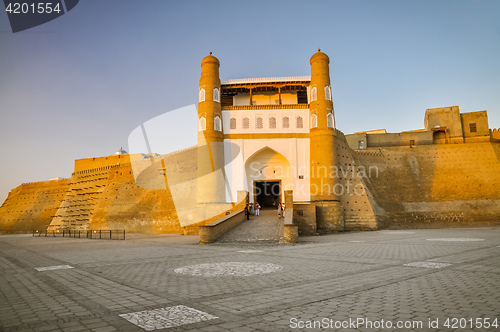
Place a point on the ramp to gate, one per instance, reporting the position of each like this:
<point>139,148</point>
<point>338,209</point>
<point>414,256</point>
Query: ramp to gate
<point>264,228</point>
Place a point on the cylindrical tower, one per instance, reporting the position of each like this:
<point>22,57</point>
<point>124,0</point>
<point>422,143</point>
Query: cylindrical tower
<point>322,136</point>
<point>211,185</point>
<point>321,130</point>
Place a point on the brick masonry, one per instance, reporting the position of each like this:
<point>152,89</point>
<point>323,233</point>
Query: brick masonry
<point>446,185</point>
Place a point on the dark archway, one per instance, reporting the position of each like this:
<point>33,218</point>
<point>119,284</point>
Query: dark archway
<point>267,166</point>
<point>268,193</point>
<point>439,136</point>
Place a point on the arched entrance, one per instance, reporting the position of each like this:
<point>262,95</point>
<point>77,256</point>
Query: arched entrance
<point>439,137</point>
<point>268,175</point>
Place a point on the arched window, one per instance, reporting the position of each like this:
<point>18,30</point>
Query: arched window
<point>272,122</point>
<point>259,123</point>
<point>201,96</point>
<point>314,121</point>
<point>314,94</point>
<point>328,93</point>
<point>217,124</point>
<point>202,124</point>
<point>329,120</point>
<point>246,123</point>
<point>286,122</point>
<point>217,95</point>
<point>300,122</point>
<point>232,124</point>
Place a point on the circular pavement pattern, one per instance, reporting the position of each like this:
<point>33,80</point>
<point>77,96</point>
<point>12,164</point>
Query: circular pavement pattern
<point>451,239</point>
<point>235,269</point>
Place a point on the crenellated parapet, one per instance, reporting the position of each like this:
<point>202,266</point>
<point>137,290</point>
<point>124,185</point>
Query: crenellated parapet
<point>495,135</point>
<point>339,134</point>
<point>45,182</point>
<point>374,153</point>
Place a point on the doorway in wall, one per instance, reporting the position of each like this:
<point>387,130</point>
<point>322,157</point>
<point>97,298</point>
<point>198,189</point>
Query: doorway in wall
<point>268,193</point>
<point>439,137</point>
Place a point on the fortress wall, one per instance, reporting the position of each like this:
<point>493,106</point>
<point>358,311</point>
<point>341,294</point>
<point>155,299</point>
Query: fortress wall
<point>31,206</point>
<point>360,209</point>
<point>97,162</point>
<point>76,209</point>
<point>125,205</point>
<point>446,185</point>
<point>109,197</point>
<point>495,135</point>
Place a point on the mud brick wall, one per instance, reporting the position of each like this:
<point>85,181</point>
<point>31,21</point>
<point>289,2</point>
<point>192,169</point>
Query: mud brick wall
<point>31,206</point>
<point>304,215</point>
<point>109,197</point>
<point>445,185</point>
<point>360,210</point>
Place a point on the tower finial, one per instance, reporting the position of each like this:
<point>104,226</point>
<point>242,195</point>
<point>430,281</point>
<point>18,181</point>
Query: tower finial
<point>210,53</point>
<point>319,49</point>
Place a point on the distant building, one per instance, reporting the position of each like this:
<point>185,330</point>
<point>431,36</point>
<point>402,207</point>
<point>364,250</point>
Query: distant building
<point>445,125</point>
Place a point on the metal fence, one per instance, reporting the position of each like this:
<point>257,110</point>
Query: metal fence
<point>99,234</point>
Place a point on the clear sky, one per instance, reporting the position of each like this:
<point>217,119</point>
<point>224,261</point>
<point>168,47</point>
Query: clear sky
<point>77,86</point>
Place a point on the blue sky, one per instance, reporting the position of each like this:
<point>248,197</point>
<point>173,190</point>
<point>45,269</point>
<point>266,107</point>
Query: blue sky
<point>77,86</point>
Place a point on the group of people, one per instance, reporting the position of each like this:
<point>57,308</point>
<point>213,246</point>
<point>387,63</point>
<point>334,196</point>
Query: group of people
<point>254,209</point>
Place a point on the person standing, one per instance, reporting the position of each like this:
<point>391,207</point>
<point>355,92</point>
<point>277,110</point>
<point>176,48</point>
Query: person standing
<point>257,208</point>
<point>252,209</point>
<point>280,210</point>
<point>247,212</point>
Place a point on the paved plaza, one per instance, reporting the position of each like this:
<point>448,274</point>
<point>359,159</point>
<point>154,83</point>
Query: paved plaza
<point>170,282</point>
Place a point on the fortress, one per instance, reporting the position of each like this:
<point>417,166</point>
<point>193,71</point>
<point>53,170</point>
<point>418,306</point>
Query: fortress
<point>258,138</point>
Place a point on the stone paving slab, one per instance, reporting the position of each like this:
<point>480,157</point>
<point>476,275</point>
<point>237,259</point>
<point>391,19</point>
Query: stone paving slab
<point>331,278</point>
